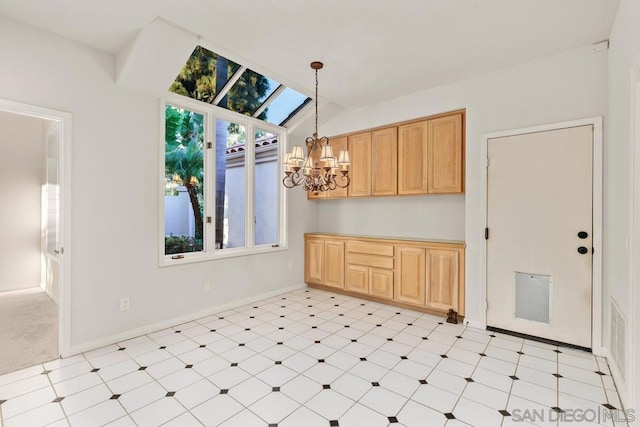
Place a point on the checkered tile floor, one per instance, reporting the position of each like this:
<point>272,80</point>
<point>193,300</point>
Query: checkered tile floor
<point>312,358</point>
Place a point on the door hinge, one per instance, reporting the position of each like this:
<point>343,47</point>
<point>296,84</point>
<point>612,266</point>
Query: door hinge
<point>486,304</point>
<point>487,162</point>
<point>209,144</point>
<point>209,219</point>
<point>486,233</point>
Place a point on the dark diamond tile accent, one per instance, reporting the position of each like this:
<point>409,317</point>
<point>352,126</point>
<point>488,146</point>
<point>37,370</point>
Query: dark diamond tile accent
<point>283,298</point>
<point>337,305</point>
<point>378,326</point>
<point>142,368</point>
<point>241,345</point>
<point>556,409</point>
<point>333,297</point>
<point>363,359</point>
<point>281,316</point>
<point>309,306</point>
<point>115,397</point>
<point>557,351</point>
<point>247,329</point>
<point>283,306</point>
<point>220,318</point>
<point>317,342</point>
<point>482,354</point>
<point>45,372</point>
<point>57,400</point>
<point>320,360</point>
<point>177,332</point>
<point>423,382</point>
<point>444,356</point>
<point>233,365</point>
<point>389,339</point>
<point>281,328</point>
<point>504,413</point>
<point>341,314</point>
<point>224,391</point>
<point>492,336</point>
<point>346,326</point>
<point>557,375</point>
<point>203,345</point>
<point>255,306</point>
<point>252,317</point>
<point>397,312</point>
<point>369,314</point>
<point>170,394</point>
<point>425,338</point>
<point>212,330</point>
<point>362,305</point>
<point>459,336</point>
<point>600,373</point>
<point>326,386</point>
<point>279,343</point>
<point>608,406</point>
<point>93,370</point>
<point>312,315</point>
<point>440,323</point>
<point>122,348</point>
<point>392,419</point>
<point>409,324</point>
<point>314,327</point>
<point>403,357</point>
<point>278,362</point>
<point>164,346</point>
<point>334,423</point>
<point>188,366</point>
<point>469,380</point>
<point>519,352</point>
<point>275,389</point>
<point>513,377</point>
<point>450,416</point>
<point>375,384</point>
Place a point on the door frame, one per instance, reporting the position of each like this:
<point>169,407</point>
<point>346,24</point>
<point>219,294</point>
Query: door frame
<point>64,118</point>
<point>596,273</point>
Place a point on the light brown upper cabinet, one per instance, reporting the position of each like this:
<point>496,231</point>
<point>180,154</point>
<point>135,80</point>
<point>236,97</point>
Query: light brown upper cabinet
<point>337,144</point>
<point>384,162</point>
<point>444,155</point>
<point>412,158</point>
<point>360,171</point>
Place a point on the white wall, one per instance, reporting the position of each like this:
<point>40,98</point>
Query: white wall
<point>20,196</point>
<point>115,194</point>
<point>624,57</point>
<point>563,87</point>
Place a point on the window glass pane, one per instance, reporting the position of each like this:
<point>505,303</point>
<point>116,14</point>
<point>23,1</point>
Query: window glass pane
<point>230,185</point>
<point>267,187</point>
<point>281,107</point>
<point>184,181</point>
<point>204,74</point>
<point>248,93</point>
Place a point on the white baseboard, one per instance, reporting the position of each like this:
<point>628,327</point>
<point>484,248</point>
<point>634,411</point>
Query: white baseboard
<point>475,324</point>
<point>133,333</point>
<point>618,379</point>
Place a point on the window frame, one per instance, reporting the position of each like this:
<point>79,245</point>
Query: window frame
<point>251,124</point>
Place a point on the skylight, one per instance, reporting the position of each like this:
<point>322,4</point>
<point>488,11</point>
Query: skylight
<point>237,88</point>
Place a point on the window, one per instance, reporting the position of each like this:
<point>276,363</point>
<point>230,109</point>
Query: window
<point>222,191</point>
<point>213,79</point>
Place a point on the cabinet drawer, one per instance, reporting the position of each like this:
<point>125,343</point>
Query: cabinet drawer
<point>369,248</point>
<point>370,260</point>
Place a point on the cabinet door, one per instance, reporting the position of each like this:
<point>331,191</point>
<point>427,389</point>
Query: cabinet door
<point>338,144</point>
<point>443,279</point>
<point>412,158</point>
<point>384,162</point>
<point>360,171</point>
<point>334,263</point>
<point>445,164</point>
<point>314,261</point>
<point>410,276</point>
<point>381,283</point>
<point>357,278</point>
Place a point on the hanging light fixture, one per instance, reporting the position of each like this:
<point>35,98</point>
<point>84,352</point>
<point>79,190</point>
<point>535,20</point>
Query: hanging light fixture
<point>319,170</point>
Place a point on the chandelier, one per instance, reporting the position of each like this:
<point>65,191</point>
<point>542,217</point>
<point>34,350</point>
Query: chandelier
<point>319,170</point>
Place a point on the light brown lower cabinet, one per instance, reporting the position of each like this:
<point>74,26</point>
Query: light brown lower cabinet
<point>420,274</point>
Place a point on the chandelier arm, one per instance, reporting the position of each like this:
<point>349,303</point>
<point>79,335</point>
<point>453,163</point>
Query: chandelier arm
<point>344,177</point>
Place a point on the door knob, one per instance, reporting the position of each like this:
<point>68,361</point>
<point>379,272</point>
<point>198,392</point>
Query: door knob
<point>582,250</point>
<point>583,235</point>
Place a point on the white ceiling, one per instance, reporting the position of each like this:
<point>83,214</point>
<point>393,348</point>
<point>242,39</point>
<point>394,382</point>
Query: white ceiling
<point>373,50</point>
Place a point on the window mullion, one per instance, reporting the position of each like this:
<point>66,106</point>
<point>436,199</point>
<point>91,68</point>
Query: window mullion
<point>210,188</point>
<point>250,186</point>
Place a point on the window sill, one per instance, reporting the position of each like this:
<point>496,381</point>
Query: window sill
<point>167,261</point>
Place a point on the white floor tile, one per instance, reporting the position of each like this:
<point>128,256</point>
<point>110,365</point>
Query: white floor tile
<point>486,396</point>
<point>250,391</point>
<point>157,413</point>
<point>141,396</point>
<point>415,415</point>
<point>476,414</point>
<point>274,407</point>
<point>301,389</point>
<point>215,411</point>
<point>302,417</point>
<point>446,381</point>
<point>435,398</point>
<point>77,384</point>
<point>128,382</point>
<point>360,416</point>
<point>244,418</point>
<point>41,416</point>
<point>86,399</point>
<point>582,390</point>
<point>184,420</point>
<point>329,404</point>
<point>399,383</point>
<point>24,386</point>
<point>100,414</point>
<point>196,394</point>
<point>28,401</point>
<point>228,377</point>
<point>180,379</point>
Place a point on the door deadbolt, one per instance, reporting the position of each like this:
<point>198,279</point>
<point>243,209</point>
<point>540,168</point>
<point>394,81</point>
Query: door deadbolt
<point>583,235</point>
<point>582,250</point>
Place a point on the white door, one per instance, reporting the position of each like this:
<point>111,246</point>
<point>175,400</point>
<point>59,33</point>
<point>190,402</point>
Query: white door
<point>539,247</point>
<point>52,244</point>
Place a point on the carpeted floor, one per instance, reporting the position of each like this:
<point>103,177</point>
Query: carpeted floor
<point>28,329</point>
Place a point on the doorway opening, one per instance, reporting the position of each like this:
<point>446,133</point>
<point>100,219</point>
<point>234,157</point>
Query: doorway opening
<point>34,225</point>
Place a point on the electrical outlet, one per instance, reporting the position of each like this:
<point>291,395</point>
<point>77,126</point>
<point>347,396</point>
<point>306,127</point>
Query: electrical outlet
<point>125,304</point>
<point>291,266</point>
<point>206,286</point>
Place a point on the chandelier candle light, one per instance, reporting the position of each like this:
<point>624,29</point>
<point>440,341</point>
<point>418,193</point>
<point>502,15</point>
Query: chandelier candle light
<point>320,170</point>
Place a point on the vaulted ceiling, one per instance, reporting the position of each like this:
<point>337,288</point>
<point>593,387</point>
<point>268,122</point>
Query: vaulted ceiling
<point>373,50</point>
